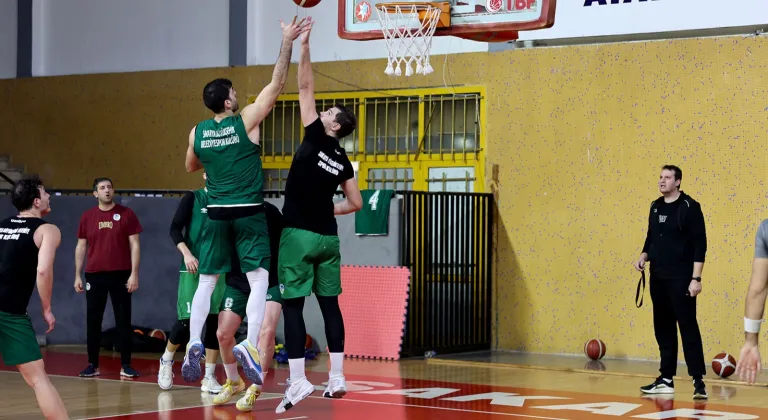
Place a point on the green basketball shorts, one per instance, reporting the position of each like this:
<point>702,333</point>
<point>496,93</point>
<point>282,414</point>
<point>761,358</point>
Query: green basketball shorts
<point>308,262</point>
<point>247,237</point>
<point>18,344</point>
<point>234,301</point>
<point>187,288</point>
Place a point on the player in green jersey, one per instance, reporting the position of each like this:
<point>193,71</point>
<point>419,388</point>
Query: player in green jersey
<point>186,229</point>
<point>228,147</point>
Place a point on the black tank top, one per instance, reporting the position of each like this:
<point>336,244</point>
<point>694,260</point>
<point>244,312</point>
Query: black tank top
<point>18,262</point>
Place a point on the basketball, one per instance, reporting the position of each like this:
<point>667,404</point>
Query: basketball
<point>724,365</point>
<point>307,3</point>
<point>159,334</point>
<point>594,349</point>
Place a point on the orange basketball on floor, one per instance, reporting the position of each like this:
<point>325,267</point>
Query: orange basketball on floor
<point>724,365</point>
<point>594,349</point>
<point>159,334</point>
<point>307,3</point>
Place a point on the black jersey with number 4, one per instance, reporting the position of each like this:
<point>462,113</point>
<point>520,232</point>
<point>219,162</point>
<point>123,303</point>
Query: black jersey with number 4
<point>318,168</point>
<point>18,262</point>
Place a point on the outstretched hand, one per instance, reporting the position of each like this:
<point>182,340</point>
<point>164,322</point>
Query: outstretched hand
<point>292,30</point>
<point>305,34</point>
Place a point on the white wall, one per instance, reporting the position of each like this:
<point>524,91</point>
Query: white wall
<point>264,35</point>
<point>573,19</point>
<point>101,36</point>
<point>8,23</point>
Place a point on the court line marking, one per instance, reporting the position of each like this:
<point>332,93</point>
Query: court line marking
<point>180,408</point>
<point>447,409</point>
<point>502,365</point>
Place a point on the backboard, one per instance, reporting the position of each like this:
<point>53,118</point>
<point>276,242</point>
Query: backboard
<point>471,19</point>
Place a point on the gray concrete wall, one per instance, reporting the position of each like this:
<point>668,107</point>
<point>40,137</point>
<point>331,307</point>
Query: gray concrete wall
<point>154,304</point>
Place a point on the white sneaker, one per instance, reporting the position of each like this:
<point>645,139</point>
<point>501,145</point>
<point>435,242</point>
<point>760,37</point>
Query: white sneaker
<point>165,374</point>
<point>296,392</point>
<point>337,387</point>
<point>210,384</point>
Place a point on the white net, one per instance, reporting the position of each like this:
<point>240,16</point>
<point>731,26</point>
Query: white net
<point>408,37</point>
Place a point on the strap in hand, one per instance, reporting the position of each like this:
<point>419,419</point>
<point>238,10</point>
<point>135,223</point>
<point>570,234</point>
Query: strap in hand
<point>640,295</point>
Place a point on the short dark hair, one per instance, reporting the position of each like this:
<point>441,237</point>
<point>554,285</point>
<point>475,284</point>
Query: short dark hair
<point>25,191</point>
<point>98,181</point>
<point>678,172</point>
<point>215,93</point>
<point>346,119</point>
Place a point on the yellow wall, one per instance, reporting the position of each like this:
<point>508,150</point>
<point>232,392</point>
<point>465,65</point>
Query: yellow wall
<point>576,136</point>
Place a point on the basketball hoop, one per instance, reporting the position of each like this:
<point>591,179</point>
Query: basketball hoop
<point>408,30</point>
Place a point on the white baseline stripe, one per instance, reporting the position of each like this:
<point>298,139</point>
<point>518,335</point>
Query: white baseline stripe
<point>447,409</point>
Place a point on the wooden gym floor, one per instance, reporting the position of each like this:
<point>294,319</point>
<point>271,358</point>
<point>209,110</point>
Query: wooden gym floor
<point>476,386</point>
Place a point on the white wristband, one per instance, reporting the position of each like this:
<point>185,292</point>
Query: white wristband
<point>752,325</point>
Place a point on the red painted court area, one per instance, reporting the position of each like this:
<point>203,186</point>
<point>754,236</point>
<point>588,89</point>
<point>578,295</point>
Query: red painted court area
<point>389,398</point>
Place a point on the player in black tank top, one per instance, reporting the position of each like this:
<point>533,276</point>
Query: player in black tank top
<point>27,250</point>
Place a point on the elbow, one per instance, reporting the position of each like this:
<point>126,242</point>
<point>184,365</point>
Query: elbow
<point>357,204</point>
<point>44,272</point>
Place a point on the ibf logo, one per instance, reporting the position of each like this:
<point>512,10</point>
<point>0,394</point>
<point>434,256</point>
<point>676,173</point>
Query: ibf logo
<point>605,2</point>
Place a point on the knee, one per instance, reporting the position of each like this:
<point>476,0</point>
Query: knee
<point>33,373</point>
<point>224,337</point>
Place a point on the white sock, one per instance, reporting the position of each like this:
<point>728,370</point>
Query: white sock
<point>167,356</point>
<point>231,370</point>
<point>257,303</point>
<point>337,365</point>
<point>201,304</point>
<point>297,370</point>
<point>209,369</point>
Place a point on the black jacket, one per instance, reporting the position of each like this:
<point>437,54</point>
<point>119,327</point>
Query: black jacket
<point>674,245</point>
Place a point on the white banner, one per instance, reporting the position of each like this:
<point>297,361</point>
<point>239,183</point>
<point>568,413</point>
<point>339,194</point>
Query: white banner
<point>588,18</point>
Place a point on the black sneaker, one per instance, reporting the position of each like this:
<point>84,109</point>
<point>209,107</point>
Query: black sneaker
<point>90,371</point>
<point>128,372</point>
<point>661,386</point>
<point>699,390</point>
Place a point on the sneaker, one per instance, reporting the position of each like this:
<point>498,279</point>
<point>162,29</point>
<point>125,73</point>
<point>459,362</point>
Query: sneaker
<point>190,370</point>
<point>294,394</point>
<point>228,390</point>
<point>90,371</point>
<point>246,403</point>
<point>211,385</point>
<point>128,372</point>
<point>165,374</point>
<point>699,390</point>
<point>661,386</point>
<point>248,356</point>
<point>337,387</point>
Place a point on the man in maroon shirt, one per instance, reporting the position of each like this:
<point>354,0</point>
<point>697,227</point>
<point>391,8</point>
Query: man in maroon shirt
<point>110,234</point>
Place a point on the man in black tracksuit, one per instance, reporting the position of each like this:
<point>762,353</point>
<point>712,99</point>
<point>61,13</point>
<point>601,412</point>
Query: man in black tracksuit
<point>675,246</point>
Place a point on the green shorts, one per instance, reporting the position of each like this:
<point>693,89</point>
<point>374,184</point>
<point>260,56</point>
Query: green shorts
<point>251,244</point>
<point>18,344</point>
<point>236,301</point>
<point>308,262</point>
<point>187,288</point>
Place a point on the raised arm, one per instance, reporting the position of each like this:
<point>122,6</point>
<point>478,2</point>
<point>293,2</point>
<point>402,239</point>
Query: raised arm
<point>306,84</point>
<point>255,113</point>
<point>192,163</point>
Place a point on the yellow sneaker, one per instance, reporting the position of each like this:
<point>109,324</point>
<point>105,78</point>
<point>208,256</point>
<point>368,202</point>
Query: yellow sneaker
<point>248,356</point>
<point>228,390</point>
<point>246,403</point>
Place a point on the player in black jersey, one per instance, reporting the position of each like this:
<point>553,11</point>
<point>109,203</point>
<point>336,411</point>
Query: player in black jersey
<point>233,312</point>
<point>27,249</point>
